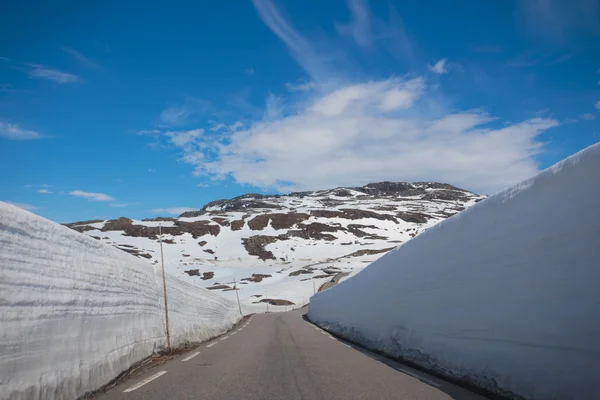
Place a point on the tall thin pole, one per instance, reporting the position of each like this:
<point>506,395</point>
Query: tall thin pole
<point>267,297</point>
<point>314,290</point>
<point>237,295</point>
<point>162,259</point>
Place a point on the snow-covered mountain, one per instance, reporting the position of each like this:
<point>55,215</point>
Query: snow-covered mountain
<point>280,246</point>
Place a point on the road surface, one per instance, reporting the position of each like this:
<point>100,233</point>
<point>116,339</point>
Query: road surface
<point>334,281</point>
<point>281,356</point>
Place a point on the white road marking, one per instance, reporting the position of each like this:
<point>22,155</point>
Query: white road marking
<point>224,338</point>
<point>188,358</point>
<point>145,381</point>
<point>212,344</point>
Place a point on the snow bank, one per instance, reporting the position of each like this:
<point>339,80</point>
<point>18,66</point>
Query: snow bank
<point>505,295</point>
<point>75,312</point>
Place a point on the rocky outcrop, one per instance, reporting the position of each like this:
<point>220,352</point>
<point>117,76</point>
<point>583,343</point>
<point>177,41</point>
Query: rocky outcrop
<point>255,246</point>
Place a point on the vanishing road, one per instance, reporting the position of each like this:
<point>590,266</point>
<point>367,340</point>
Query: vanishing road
<point>280,356</point>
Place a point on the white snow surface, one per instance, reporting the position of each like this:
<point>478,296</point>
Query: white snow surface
<point>505,295</point>
<point>225,256</point>
<point>75,312</point>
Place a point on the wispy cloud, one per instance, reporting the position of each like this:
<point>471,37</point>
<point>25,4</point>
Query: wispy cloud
<point>24,206</point>
<point>173,210</point>
<point>597,105</point>
<point>588,117</point>
<point>302,86</point>
<point>91,195</point>
<point>557,20</point>
<point>39,71</point>
<point>249,71</point>
<point>227,128</point>
<point>532,59</point>
<point>15,132</point>
<point>439,67</point>
<point>300,48</point>
<point>147,132</point>
<point>119,205</point>
<point>188,112</point>
<point>360,26</point>
<point>44,191</point>
<point>81,58</point>
<point>184,138</point>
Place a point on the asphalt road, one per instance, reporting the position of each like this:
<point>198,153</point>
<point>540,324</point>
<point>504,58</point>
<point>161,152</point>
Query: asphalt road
<point>334,281</point>
<point>280,356</point>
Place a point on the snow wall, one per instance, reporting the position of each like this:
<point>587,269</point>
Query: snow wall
<point>75,312</point>
<point>504,295</point>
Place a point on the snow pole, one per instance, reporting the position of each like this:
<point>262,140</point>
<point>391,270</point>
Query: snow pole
<point>238,296</point>
<point>162,258</point>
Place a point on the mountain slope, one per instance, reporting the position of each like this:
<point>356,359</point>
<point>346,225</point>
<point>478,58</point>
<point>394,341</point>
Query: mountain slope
<point>291,238</point>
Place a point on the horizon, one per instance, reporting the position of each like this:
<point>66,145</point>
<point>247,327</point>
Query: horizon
<point>152,112</point>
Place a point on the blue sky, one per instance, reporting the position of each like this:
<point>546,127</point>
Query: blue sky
<point>115,109</point>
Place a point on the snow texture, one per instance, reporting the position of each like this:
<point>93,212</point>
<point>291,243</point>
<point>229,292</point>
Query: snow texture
<point>226,260</point>
<point>505,295</point>
<point>75,312</point>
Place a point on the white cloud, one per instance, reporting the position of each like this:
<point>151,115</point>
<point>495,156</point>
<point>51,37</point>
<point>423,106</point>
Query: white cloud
<point>24,206</point>
<point>393,130</point>
<point>300,48</point>
<point>39,71</point>
<point>588,116</point>
<point>249,71</point>
<point>597,105</point>
<point>44,191</point>
<point>14,132</point>
<point>151,170</point>
<point>184,138</point>
<point>301,86</point>
<point>182,114</point>
<point>81,58</point>
<point>360,27</point>
<point>173,210</point>
<point>91,195</point>
<point>439,67</point>
<point>227,128</point>
<point>119,205</point>
<point>147,132</point>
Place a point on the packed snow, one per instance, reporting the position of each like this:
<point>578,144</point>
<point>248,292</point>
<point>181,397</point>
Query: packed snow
<point>505,295</point>
<point>75,312</point>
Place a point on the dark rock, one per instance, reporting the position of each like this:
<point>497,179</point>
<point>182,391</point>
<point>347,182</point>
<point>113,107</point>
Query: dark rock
<point>202,243</point>
<point>207,275</point>
<point>368,252</point>
<point>159,219</point>
<point>417,218</point>
<point>255,246</point>
<point>257,277</point>
<point>221,221</point>
<point>275,302</point>
<point>237,224</point>
<point>299,272</point>
<point>219,287</point>
<point>209,251</point>
<point>193,272</point>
